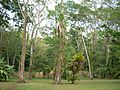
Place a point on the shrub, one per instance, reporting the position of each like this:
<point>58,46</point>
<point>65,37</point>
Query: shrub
<point>5,70</point>
<point>75,67</point>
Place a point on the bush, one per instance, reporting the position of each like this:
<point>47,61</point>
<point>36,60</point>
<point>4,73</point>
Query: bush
<point>5,70</point>
<point>75,67</point>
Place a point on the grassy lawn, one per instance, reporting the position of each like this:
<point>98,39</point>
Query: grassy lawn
<point>47,84</point>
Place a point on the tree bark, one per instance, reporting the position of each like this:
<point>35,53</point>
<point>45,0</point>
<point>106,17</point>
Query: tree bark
<point>13,63</point>
<point>107,47</point>
<point>22,61</point>
<point>31,61</point>
<point>58,72</point>
<point>61,36</point>
<point>8,57</point>
<point>93,50</point>
<point>78,44</point>
<point>23,54</point>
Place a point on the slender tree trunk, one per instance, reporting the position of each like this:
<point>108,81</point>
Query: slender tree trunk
<point>31,53</point>
<point>13,63</point>
<point>107,51</point>
<point>107,55</point>
<point>90,73</point>
<point>7,57</point>
<point>107,47</point>
<point>78,44</point>
<point>34,35</point>
<point>22,61</point>
<point>31,61</point>
<point>93,50</point>
<point>1,43</point>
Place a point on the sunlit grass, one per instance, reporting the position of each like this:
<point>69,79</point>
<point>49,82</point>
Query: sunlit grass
<point>48,84</point>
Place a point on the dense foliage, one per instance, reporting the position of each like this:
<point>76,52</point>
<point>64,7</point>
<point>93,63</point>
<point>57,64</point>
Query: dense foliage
<point>5,70</point>
<point>88,27</point>
<point>74,68</point>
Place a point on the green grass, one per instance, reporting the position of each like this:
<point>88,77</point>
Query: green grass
<point>48,84</point>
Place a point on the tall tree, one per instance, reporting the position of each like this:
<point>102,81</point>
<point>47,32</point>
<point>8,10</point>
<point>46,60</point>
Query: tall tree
<point>61,37</point>
<point>37,19</point>
<point>90,72</point>
<point>25,21</point>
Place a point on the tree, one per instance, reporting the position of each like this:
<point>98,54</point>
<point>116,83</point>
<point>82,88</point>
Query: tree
<point>61,37</point>
<point>35,28</point>
<point>90,73</point>
<point>25,21</point>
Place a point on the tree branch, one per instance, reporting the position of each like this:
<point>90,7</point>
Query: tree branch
<point>20,8</point>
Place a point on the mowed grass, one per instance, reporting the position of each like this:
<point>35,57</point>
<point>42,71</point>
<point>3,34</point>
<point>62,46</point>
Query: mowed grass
<point>48,84</point>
